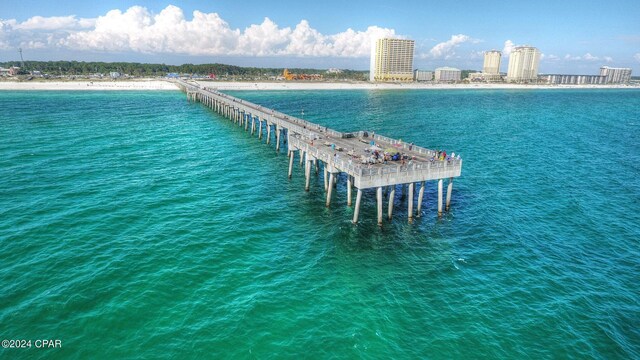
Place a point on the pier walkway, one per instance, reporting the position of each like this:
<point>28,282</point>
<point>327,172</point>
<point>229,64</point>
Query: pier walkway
<point>351,153</point>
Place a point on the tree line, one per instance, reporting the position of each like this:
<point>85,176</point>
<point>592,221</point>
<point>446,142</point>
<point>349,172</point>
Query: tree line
<point>67,68</point>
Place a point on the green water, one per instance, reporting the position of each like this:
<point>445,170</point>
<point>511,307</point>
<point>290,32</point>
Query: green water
<point>136,225</point>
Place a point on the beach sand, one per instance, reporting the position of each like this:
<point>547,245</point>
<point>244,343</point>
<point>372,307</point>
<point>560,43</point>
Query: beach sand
<point>88,85</point>
<point>158,84</point>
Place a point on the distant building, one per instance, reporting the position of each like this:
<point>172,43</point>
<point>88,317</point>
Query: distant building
<point>392,60</point>
<point>492,62</point>
<point>422,75</point>
<point>334,71</point>
<point>115,74</point>
<point>447,74</point>
<point>523,64</point>
<point>616,75</point>
<point>14,70</point>
<point>562,79</point>
<point>4,71</point>
<point>476,76</point>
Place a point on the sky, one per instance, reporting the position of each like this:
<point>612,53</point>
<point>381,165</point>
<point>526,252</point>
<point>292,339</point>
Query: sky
<point>574,37</point>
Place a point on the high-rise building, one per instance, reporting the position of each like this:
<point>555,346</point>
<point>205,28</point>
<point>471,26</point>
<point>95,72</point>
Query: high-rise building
<point>492,62</point>
<point>523,64</point>
<point>447,74</point>
<point>392,60</point>
<point>616,75</point>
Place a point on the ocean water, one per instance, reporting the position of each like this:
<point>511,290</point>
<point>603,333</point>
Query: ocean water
<point>137,225</point>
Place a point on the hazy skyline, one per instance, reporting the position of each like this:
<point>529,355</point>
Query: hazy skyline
<point>573,36</point>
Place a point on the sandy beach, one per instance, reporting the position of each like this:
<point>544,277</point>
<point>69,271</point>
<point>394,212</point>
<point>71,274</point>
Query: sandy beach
<point>156,84</point>
<point>88,85</point>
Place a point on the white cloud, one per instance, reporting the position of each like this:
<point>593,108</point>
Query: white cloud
<point>446,49</point>
<point>590,57</point>
<point>169,31</point>
<point>508,46</point>
<point>636,56</point>
<point>54,23</point>
<point>587,57</point>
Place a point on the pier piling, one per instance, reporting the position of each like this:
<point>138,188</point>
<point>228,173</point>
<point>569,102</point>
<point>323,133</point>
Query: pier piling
<point>439,197</point>
<point>420,196</point>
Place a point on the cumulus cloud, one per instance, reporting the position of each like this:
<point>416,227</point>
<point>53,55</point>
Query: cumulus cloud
<point>587,57</point>
<point>54,23</point>
<point>508,47</point>
<point>636,56</point>
<point>446,49</point>
<point>590,57</point>
<point>139,30</point>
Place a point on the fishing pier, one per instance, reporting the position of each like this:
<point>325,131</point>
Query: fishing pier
<point>359,155</point>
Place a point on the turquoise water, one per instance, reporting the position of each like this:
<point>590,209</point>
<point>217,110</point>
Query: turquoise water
<point>136,225</point>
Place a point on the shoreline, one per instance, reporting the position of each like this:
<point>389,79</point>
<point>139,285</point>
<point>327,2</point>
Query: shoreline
<point>161,84</point>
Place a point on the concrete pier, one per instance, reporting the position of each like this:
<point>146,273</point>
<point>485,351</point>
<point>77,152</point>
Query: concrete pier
<point>331,177</point>
<point>392,196</point>
<point>356,154</point>
<point>420,196</point>
<point>349,188</point>
<point>290,163</point>
<point>440,197</point>
<point>357,210</point>
<point>410,202</point>
<point>449,190</point>
<point>379,198</point>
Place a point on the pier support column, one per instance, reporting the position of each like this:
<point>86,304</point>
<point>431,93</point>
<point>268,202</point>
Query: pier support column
<point>420,196</point>
<point>379,198</point>
<point>331,176</point>
<point>349,190</point>
<point>253,125</point>
<point>307,173</point>
<point>440,197</point>
<point>317,167</point>
<point>392,196</point>
<point>278,133</point>
<point>357,210</point>
<point>326,181</point>
<point>246,123</point>
<point>268,133</point>
<point>449,189</point>
<point>260,129</point>
<point>410,205</point>
<point>290,164</point>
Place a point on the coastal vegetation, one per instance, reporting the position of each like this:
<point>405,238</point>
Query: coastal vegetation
<point>223,71</point>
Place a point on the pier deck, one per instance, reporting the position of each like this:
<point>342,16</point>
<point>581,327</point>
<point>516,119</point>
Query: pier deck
<point>351,153</point>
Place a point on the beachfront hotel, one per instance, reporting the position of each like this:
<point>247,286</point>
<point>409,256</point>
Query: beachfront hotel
<point>615,75</point>
<point>447,74</point>
<point>492,62</point>
<point>523,64</point>
<point>422,75</point>
<point>392,60</point>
